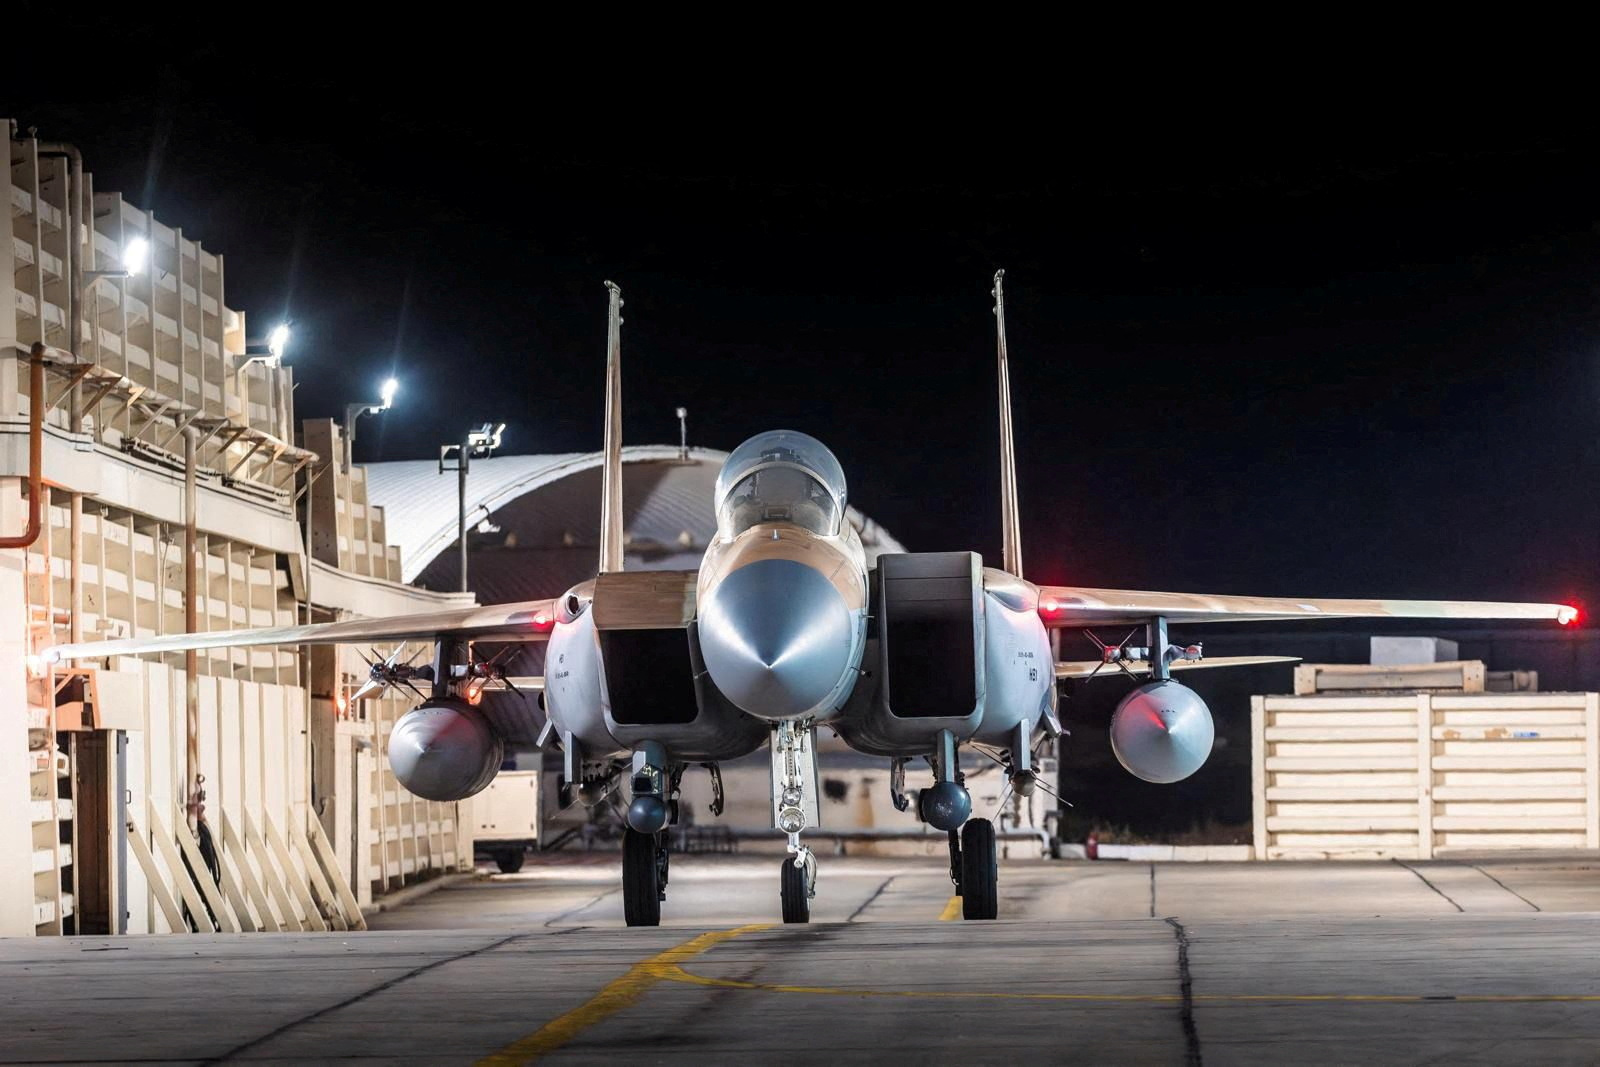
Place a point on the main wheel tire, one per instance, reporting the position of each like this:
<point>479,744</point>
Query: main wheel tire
<point>509,860</point>
<point>641,879</point>
<point>980,871</point>
<point>796,905</point>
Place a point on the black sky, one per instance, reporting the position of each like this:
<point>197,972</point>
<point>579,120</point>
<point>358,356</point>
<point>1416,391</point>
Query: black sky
<point>1349,353</point>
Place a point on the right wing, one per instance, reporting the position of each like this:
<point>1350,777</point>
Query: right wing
<point>529,620</point>
<point>1089,668</point>
<point>1075,606</point>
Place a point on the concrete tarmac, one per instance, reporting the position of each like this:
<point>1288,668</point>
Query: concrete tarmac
<point>1474,961</point>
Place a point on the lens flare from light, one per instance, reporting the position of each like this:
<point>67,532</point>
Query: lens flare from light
<point>135,254</point>
<point>278,340</point>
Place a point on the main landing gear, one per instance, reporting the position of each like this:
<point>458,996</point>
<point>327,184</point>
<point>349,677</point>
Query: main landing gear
<point>644,877</point>
<point>974,862</point>
<point>980,871</point>
<point>654,783</point>
<point>975,869</point>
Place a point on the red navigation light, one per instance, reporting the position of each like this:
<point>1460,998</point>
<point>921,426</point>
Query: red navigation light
<point>1569,615</point>
<point>1049,606</point>
<point>543,620</point>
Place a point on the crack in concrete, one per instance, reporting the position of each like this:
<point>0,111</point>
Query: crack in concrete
<point>1430,885</point>
<point>1191,1033</point>
<point>257,1042</point>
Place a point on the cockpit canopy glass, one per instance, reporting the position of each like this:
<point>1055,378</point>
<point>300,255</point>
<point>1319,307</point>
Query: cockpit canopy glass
<point>781,476</point>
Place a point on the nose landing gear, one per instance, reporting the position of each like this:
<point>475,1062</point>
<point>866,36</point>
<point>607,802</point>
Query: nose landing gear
<point>794,807</point>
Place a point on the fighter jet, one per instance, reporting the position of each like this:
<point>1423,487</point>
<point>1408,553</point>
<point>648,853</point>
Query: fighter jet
<point>784,630</point>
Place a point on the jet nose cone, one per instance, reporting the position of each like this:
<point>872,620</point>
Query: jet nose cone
<point>776,637</point>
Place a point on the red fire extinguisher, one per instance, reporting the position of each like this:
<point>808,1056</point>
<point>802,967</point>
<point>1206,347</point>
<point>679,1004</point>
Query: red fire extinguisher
<point>1091,846</point>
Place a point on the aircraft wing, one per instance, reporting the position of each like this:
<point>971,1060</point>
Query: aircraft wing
<point>1088,668</point>
<point>1065,605</point>
<point>528,620</point>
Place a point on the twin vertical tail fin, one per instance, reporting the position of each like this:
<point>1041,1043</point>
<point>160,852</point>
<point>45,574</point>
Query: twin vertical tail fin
<point>1010,512</point>
<point>611,533</point>
<point>611,478</point>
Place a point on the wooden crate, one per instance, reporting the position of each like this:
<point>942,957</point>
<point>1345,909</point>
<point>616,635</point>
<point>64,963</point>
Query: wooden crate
<point>1511,682</point>
<point>77,698</point>
<point>1410,775</point>
<point>1466,676</point>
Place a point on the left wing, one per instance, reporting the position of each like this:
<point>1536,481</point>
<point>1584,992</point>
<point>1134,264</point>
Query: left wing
<point>528,620</point>
<point>1066,605</point>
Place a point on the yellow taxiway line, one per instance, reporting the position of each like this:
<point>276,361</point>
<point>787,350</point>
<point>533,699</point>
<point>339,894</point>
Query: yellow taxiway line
<point>667,967</point>
<point>617,994</point>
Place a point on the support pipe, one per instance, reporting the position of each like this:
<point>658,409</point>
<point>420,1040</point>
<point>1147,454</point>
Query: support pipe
<point>191,619</point>
<point>36,403</point>
<point>74,264</point>
<point>461,505</point>
<point>75,567</point>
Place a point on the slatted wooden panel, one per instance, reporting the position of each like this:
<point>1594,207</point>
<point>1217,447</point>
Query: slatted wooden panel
<point>1409,776</point>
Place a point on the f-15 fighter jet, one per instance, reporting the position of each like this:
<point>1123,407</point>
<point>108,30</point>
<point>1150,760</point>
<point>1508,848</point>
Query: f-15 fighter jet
<point>784,629</point>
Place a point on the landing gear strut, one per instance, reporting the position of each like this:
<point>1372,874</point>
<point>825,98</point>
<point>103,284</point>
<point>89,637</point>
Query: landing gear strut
<point>794,807</point>
<point>654,807</point>
<point>644,877</point>
<point>974,863</point>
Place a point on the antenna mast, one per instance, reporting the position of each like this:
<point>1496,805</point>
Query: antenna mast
<point>1010,520</point>
<point>611,481</point>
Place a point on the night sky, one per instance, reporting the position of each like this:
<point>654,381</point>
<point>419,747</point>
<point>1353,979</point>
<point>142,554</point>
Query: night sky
<point>1350,355</point>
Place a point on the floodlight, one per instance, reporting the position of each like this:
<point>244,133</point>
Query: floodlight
<point>278,340</point>
<point>134,256</point>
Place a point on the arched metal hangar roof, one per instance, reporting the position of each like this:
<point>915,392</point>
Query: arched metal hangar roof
<point>547,509</point>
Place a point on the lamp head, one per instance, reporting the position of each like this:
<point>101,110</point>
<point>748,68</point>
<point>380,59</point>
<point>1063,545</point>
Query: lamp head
<point>135,254</point>
<point>278,340</point>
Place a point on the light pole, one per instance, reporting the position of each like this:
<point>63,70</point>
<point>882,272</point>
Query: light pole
<point>479,443</point>
<point>352,412</point>
<point>268,353</point>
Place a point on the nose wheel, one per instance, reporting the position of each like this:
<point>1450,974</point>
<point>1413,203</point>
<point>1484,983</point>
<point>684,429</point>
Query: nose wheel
<point>644,877</point>
<point>795,885</point>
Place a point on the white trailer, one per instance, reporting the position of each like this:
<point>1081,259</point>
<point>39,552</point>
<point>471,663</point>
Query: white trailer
<point>505,819</point>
